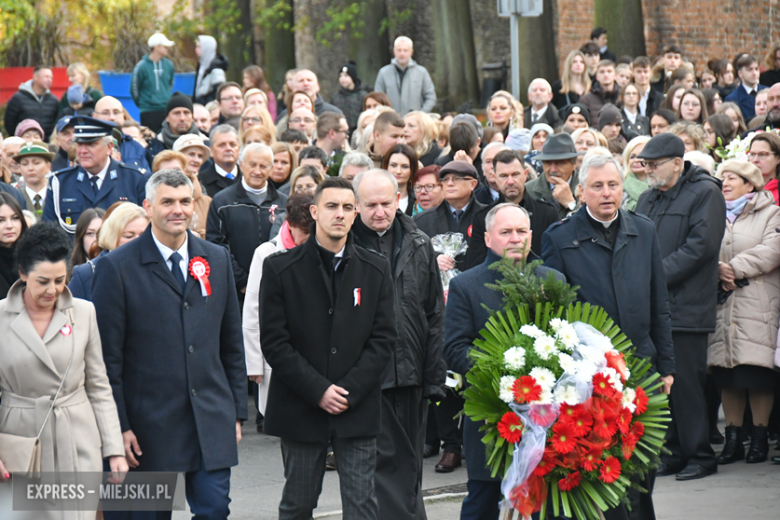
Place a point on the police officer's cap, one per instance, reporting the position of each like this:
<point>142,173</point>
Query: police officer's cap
<point>88,129</point>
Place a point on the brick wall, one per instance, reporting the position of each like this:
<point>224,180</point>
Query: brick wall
<point>704,29</point>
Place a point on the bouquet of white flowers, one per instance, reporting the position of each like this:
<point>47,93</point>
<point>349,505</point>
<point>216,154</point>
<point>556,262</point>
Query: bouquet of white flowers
<point>452,245</point>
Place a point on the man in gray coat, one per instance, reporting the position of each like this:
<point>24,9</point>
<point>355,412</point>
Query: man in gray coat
<point>407,84</point>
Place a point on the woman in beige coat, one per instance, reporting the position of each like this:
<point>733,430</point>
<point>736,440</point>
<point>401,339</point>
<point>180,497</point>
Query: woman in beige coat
<point>742,349</point>
<point>42,324</point>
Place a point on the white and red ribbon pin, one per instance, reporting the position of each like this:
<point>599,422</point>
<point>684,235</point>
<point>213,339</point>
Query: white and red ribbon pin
<point>356,294</point>
<point>66,330</point>
<point>200,270</point>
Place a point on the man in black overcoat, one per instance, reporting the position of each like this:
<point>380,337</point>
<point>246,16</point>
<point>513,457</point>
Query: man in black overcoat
<point>328,330</point>
<point>508,233</point>
<point>173,349</point>
<point>614,257</point>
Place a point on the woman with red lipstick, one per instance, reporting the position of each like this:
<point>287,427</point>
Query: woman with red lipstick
<point>12,225</point>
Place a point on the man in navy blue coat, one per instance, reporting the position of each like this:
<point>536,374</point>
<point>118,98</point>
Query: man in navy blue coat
<point>508,233</point>
<point>614,257</point>
<point>173,349</point>
<point>97,182</point>
<point>745,94</point>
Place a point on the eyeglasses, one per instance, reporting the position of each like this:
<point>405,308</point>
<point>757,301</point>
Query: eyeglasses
<point>298,121</point>
<point>759,155</point>
<point>231,98</point>
<point>654,165</point>
<point>427,188</point>
<point>454,179</point>
<point>305,189</point>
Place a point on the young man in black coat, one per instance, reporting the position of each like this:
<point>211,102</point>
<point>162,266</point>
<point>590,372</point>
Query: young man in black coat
<point>508,234</point>
<point>510,173</point>
<point>173,349</point>
<point>614,257</point>
<point>416,371</point>
<point>687,207</point>
<point>328,331</point>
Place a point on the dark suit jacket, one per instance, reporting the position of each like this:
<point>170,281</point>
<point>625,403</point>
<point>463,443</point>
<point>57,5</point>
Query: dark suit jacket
<point>313,339</point>
<point>440,220</point>
<point>464,317</point>
<point>550,116</point>
<point>654,100</point>
<point>175,362</point>
<point>746,102</point>
<point>629,282</point>
<point>213,182</point>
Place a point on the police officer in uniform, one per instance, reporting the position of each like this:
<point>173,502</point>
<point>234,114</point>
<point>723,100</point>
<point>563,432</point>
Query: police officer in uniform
<point>97,182</point>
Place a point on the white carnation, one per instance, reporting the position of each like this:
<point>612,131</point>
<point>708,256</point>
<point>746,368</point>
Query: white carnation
<point>514,358</point>
<point>567,363</point>
<point>567,394</point>
<point>544,377</point>
<point>545,347</point>
<point>532,331</point>
<point>614,378</point>
<point>629,395</point>
<point>505,389</point>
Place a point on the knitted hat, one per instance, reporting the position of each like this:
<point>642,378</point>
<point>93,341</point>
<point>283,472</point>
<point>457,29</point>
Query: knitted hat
<point>350,68</point>
<point>608,115</point>
<point>519,140</point>
<point>28,124</point>
<point>76,94</point>
<point>178,100</point>
<point>576,108</point>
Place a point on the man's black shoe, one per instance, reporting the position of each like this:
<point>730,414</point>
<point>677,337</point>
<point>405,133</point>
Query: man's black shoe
<point>695,471</point>
<point>665,470</point>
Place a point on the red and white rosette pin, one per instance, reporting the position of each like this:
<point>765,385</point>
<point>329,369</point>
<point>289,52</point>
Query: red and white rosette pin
<point>66,330</point>
<point>200,270</point>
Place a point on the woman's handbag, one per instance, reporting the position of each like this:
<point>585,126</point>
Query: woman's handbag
<point>23,454</point>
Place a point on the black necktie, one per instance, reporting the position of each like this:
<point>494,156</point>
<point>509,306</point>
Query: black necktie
<point>458,215</point>
<point>753,93</point>
<point>93,179</point>
<point>176,259</point>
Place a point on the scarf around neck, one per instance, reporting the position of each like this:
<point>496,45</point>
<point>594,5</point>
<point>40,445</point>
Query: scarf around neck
<point>734,208</point>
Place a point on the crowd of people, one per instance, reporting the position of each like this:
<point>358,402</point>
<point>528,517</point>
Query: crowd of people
<point>237,241</point>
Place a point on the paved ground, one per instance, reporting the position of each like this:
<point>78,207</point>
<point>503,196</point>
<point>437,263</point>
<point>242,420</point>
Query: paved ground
<point>738,492</point>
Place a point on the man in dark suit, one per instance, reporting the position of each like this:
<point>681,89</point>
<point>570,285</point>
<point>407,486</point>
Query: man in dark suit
<point>745,94</point>
<point>454,215</point>
<point>508,234</point>
<point>614,257</point>
<point>510,173</point>
<point>172,344</point>
<point>97,182</point>
<point>328,330</point>
<point>540,109</point>
<point>223,170</point>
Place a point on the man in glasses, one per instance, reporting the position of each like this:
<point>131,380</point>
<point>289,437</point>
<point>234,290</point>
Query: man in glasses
<point>231,104</point>
<point>303,120</point>
<point>332,131</point>
<point>427,188</point>
<point>688,209</point>
<point>133,153</point>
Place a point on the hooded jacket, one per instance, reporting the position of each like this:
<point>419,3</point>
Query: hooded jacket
<point>408,89</point>
<point>152,84</point>
<point>25,104</point>
<point>211,71</point>
<point>351,102</point>
<point>690,220</point>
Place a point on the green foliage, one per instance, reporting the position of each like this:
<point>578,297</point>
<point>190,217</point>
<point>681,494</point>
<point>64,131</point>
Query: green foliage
<point>275,15</point>
<point>31,33</point>
<point>520,286</point>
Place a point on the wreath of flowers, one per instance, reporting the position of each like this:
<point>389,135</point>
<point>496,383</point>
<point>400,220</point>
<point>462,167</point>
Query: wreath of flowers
<point>569,412</point>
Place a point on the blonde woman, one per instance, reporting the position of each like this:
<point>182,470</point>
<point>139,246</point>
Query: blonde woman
<point>256,115</point>
<point>504,112</point>
<point>255,97</point>
<point>691,134</point>
<point>257,134</point>
<point>585,139</point>
<point>635,181</point>
<point>421,133</point>
<point>78,74</point>
<point>574,82</point>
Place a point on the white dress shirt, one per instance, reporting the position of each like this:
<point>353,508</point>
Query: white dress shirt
<point>224,173</point>
<point>166,253</point>
<point>101,175</point>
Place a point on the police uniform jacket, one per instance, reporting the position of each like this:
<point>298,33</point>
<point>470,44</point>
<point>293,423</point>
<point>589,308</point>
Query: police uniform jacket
<point>70,192</point>
<point>316,332</point>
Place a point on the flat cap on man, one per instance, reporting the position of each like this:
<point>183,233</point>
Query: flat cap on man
<point>662,146</point>
<point>88,129</point>
<point>462,168</point>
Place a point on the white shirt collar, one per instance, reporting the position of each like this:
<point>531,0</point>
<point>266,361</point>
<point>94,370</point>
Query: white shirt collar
<point>32,193</point>
<point>538,113</point>
<point>605,223</point>
<point>749,90</point>
<point>166,252</point>
<point>630,116</point>
<point>252,190</point>
<point>224,173</point>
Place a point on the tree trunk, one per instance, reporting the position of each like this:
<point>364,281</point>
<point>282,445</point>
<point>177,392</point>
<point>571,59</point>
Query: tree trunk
<point>624,24</point>
<point>537,49</point>
<point>456,77</point>
<point>372,51</point>
<point>279,55</point>
<point>239,47</point>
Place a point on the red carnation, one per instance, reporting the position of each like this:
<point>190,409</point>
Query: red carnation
<point>526,390</point>
<point>510,428</point>
<point>610,470</point>
<point>640,401</point>
<point>629,444</point>
<point>564,438</point>
<point>547,464</point>
<point>602,386</point>
<point>590,459</point>
<point>617,361</point>
<point>570,481</point>
<point>638,429</point>
<point>543,414</point>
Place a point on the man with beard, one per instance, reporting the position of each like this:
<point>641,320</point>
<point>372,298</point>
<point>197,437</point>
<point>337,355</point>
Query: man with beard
<point>687,207</point>
<point>772,119</point>
<point>178,122</point>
